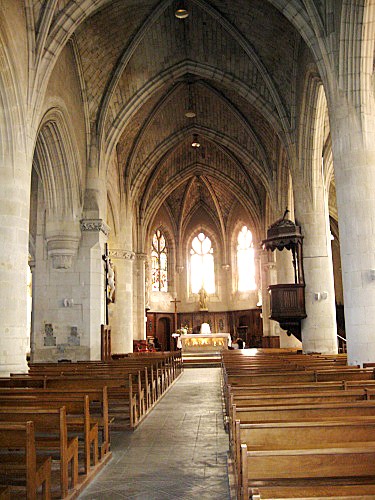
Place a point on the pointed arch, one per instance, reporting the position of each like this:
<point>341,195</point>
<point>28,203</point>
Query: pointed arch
<point>56,162</point>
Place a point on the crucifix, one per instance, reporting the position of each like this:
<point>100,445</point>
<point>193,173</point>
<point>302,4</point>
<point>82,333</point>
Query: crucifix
<point>105,258</point>
<point>175,313</point>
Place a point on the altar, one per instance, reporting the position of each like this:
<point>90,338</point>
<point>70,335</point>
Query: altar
<point>205,342</point>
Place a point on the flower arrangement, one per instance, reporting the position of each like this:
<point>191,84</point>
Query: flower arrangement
<point>183,330</point>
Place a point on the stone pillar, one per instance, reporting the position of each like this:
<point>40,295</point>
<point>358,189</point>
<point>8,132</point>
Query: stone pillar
<point>32,330</point>
<point>139,295</point>
<point>14,240</point>
<point>319,332</point>
<point>121,312</point>
<point>265,282</point>
<point>92,282</point>
<point>354,164</point>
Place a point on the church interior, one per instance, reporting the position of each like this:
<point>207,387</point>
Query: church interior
<point>179,178</point>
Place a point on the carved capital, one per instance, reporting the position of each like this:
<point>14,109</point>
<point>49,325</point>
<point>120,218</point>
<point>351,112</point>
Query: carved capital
<point>94,225</point>
<point>121,254</point>
<point>141,256</point>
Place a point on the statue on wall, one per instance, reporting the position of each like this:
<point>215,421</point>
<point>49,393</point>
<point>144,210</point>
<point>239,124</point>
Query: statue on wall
<point>202,299</point>
<point>111,285</point>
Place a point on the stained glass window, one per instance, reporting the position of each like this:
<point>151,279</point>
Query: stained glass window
<point>202,264</point>
<point>159,263</point>
<point>245,261</point>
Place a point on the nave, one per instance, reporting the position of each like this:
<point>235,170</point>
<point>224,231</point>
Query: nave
<point>178,452</point>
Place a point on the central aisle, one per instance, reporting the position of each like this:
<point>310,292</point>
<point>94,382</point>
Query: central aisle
<point>178,452</point>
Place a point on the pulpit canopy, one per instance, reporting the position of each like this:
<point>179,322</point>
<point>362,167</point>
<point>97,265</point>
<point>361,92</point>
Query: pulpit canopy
<point>284,233</point>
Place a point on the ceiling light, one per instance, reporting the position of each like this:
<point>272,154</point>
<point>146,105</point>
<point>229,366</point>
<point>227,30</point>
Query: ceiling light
<point>195,143</point>
<point>181,13</point>
<point>190,113</point>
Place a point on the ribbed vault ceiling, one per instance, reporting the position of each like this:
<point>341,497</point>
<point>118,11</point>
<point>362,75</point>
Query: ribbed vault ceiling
<point>234,62</point>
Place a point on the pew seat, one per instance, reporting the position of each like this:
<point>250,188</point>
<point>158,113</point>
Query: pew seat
<point>314,492</point>
<point>51,436</point>
<point>298,467</point>
<point>20,466</point>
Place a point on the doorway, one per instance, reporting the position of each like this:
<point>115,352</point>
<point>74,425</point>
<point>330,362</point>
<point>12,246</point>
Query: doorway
<point>163,333</point>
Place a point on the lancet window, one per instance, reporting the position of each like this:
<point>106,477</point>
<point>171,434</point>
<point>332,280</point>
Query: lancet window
<point>245,260</point>
<point>202,264</point>
<point>159,262</point>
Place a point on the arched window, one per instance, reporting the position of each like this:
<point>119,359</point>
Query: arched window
<point>159,263</point>
<point>245,261</point>
<point>202,264</point>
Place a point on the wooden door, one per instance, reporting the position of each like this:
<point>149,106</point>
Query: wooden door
<point>163,333</point>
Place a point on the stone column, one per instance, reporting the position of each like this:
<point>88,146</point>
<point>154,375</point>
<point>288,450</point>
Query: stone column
<point>319,332</point>
<point>15,170</point>
<point>32,330</point>
<point>140,274</point>
<point>265,282</point>
<point>354,164</point>
<point>92,281</point>
<point>121,312</point>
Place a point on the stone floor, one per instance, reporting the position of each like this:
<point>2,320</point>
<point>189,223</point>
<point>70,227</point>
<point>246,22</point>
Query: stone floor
<point>178,452</point>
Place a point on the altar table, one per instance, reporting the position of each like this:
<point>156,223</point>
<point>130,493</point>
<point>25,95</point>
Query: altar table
<point>208,342</point>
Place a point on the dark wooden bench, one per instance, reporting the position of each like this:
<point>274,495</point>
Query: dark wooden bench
<point>299,468</point>
<point>316,491</point>
<point>51,435</point>
<point>282,413</point>
<point>98,405</point>
<point>4,493</point>
<point>287,399</point>
<point>301,434</point>
<point>20,467</point>
<point>124,406</point>
<point>288,377</point>
<point>78,418</point>
<point>229,390</point>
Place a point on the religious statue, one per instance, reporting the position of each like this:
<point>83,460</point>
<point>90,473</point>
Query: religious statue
<point>202,299</point>
<point>110,280</point>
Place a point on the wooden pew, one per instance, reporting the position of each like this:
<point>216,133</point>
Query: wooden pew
<point>316,491</point>
<point>97,412</point>
<point>4,493</point>
<point>263,399</point>
<point>287,399</point>
<point>124,406</point>
<point>284,413</point>
<point>304,434</point>
<point>299,468</point>
<point>288,377</point>
<point>51,435</point>
<point>229,390</point>
<point>77,408</point>
<point>25,467</point>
